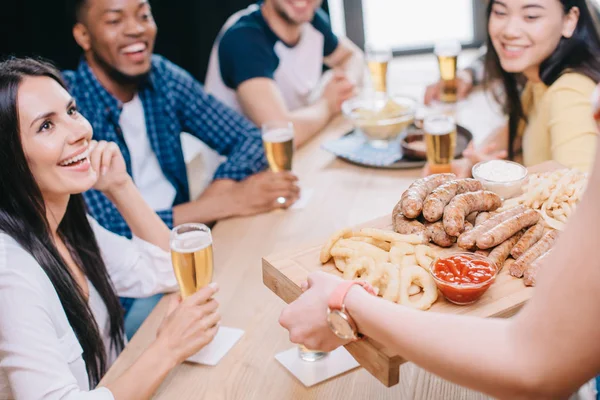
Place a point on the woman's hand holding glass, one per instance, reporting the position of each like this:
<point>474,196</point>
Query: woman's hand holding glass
<point>190,324</point>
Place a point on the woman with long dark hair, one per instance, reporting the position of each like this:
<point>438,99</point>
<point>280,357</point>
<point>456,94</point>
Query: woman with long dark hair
<point>546,54</point>
<point>61,323</point>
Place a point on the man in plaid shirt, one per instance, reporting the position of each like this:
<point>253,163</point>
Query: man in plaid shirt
<point>143,103</point>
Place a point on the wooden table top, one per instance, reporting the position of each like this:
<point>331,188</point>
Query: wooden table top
<point>344,195</point>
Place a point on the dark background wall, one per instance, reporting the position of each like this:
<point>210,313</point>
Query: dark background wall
<point>186,30</point>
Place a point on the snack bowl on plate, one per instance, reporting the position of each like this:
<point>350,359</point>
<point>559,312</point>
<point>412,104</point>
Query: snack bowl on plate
<point>380,117</point>
<point>463,277</point>
<point>413,146</point>
<point>501,177</point>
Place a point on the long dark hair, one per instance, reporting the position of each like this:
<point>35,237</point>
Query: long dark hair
<point>23,217</point>
<point>579,53</point>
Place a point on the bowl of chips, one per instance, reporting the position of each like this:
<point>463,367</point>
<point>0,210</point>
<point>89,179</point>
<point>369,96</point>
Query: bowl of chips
<point>379,116</point>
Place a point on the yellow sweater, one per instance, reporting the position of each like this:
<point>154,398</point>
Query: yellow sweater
<point>560,125</point>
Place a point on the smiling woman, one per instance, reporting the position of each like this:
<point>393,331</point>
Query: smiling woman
<point>546,53</point>
<point>61,324</point>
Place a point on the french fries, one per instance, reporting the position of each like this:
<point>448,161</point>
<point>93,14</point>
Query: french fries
<point>553,194</point>
<point>387,260</point>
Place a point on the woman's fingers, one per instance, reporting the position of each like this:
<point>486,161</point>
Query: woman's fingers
<point>203,295</point>
<point>110,152</point>
<point>96,155</point>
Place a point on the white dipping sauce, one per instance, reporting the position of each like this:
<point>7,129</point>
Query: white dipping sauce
<point>501,177</point>
<point>500,171</point>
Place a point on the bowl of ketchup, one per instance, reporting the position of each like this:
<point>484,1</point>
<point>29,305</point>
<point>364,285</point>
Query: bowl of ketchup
<point>463,277</point>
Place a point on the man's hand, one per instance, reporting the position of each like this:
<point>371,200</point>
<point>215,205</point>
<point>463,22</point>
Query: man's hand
<point>260,193</point>
<point>338,90</point>
<point>464,85</point>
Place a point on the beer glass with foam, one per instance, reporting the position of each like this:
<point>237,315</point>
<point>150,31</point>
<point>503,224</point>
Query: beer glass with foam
<point>192,257</point>
<point>440,141</point>
<point>447,54</point>
<point>278,141</point>
<point>378,59</point>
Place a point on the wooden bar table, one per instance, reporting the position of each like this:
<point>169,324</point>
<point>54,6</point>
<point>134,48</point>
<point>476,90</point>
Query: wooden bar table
<point>344,195</point>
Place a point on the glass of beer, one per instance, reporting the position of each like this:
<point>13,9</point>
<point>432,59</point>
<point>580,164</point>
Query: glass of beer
<point>440,141</point>
<point>278,141</point>
<point>447,54</point>
<point>192,256</point>
<point>378,59</point>
<point>310,355</point>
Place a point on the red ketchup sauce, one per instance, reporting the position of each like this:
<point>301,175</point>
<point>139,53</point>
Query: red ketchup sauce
<point>463,278</point>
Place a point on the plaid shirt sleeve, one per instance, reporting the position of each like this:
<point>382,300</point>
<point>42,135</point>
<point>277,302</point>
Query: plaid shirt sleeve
<point>109,217</point>
<point>221,128</point>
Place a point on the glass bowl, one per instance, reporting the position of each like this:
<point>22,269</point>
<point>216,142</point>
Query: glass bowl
<point>380,117</point>
<point>463,293</point>
<point>505,188</point>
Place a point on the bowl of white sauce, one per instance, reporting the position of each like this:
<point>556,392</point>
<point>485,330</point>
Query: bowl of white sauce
<point>501,177</point>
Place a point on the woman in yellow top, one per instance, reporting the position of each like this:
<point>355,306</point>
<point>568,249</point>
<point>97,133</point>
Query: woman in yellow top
<point>546,55</point>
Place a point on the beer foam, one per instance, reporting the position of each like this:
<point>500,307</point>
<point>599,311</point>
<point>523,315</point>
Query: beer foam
<point>278,135</point>
<point>448,48</point>
<point>189,242</point>
<point>439,126</point>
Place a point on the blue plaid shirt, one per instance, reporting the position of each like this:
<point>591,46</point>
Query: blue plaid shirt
<point>174,102</point>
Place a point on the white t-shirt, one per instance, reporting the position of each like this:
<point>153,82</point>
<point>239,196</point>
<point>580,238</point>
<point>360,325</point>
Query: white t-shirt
<point>40,356</point>
<point>247,48</point>
<point>158,192</point>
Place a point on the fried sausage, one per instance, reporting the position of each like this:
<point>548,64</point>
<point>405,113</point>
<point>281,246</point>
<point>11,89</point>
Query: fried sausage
<point>501,252</point>
<point>530,238</point>
<point>406,226</point>
<point>467,240</point>
<point>437,234</point>
<point>530,275</point>
<point>433,206</point>
<point>411,202</point>
<point>463,205</point>
<point>507,229</point>
<point>542,246</point>
<point>482,217</point>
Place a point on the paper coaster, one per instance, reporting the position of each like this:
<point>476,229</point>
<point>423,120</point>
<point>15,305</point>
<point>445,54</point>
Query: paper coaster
<point>310,373</point>
<point>212,353</point>
<point>305,195</point>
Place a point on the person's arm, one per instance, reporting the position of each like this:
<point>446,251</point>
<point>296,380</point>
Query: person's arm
<point>573,132</point>
<point>226,198</point>
<point>247,64</point>
<point>308,121</point>
<point>189,326</point>
<point>119,188</point>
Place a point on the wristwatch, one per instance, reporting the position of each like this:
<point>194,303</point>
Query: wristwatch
<point>337,317</point>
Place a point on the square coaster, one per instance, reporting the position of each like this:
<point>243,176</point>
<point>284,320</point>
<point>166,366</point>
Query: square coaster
<point>310,373</point>
<point>305,195</point>
<point>212,353</point>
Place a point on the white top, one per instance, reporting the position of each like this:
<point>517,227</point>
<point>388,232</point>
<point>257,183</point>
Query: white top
<point>40,356</point>
<point>155,188</point>
<point>247,48</point>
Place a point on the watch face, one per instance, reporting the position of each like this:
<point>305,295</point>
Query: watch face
<point>339,324</point>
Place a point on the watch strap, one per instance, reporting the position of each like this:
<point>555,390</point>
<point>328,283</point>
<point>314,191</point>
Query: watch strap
<point>336,300</point>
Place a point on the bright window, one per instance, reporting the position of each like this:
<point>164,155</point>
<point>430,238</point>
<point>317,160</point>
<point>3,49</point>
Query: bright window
<point>406,24</point>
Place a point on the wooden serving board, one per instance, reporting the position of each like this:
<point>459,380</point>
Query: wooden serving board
<point>284,272</point>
